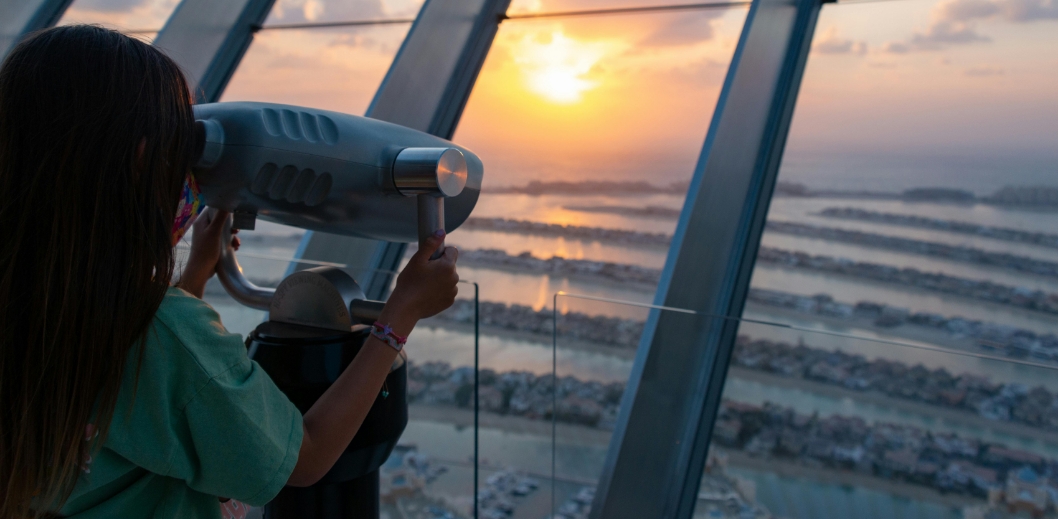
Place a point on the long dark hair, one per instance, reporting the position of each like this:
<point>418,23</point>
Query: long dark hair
<point>95,140</point>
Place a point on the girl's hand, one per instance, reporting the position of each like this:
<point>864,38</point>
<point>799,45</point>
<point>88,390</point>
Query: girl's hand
<point>206,247</point>
<point>424,288</point>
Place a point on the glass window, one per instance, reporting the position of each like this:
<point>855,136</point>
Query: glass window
<point>581,122</point>
<point>141,18</point>
<point>324,11</point>
<point>912,244</point>
<point>589,129</point>
<point>330,68</point>
<point>536,7</point>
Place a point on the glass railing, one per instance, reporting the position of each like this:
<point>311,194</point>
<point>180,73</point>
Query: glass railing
<point>434,469</point>
<point>511,412</point>
<point>594,341</point>
<point>815,423</point>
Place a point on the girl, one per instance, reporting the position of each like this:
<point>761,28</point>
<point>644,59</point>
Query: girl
<point>123,396</point>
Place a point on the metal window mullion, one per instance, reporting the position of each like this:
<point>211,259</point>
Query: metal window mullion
<point>208,38</point>
<point>18,18</point>
<point>782,117</point>
<point>654,464</point>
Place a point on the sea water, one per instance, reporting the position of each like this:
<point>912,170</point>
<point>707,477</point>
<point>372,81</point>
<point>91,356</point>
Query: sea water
<point>791,497</point>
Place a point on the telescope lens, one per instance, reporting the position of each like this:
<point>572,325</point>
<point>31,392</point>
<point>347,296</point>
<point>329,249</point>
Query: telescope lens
<point>419,171</point>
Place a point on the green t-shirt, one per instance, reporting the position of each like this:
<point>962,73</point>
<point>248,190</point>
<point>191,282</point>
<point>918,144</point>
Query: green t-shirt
<point>204,422</point>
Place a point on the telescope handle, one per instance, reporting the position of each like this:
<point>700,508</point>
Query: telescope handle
<point>431,210</point>
<point>231,276</point>
<point>365,311</point>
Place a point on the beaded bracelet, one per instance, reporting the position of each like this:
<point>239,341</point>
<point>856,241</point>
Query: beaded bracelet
<point>385,334</point>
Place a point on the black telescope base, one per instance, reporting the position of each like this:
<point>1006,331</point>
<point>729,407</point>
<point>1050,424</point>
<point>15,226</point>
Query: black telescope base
<point>356,498</point>
<point>304,361</point>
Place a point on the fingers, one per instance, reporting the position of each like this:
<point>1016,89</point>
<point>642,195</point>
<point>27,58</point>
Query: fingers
<point>217,222</point>
<point>235,243</point>
<point>428,246</point>
<point>448,261</point>
<point>451,254</point>
<point>210,221</point>
<point>202,221</point>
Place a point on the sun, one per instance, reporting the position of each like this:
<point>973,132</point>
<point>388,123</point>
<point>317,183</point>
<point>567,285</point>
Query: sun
<point>556,66</point>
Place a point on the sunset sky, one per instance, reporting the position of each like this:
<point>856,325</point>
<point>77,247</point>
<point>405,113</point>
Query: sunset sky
<point>959,87</point>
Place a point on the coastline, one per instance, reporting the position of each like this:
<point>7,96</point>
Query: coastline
<point>896,333</point>
<point>845,478</point>
<point>581,435</point>
<point>951,415</point>
<point>913,289</point>
<point>873,397</point>
<point>843,325</point>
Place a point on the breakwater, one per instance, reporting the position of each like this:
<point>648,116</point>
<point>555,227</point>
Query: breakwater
<point>527,263</point>
<point>948,284</point>
<point>610,331</point>
<point>970,393</point>
<point>946,462</point>
<point>945,251</point>
<point>650,211</point>
<point>1013,196</point>
<point>982,290</point>
<point>576,232</point>
<point>516,393</point>
<point>592,187</point>
<point>936,224</point>
<point>975,394</point>
<point>1014,342</point>
<point>986,291</point>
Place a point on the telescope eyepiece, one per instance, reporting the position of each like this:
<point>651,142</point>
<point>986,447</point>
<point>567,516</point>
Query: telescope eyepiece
<point>430,171</point>
<point>209,143</point>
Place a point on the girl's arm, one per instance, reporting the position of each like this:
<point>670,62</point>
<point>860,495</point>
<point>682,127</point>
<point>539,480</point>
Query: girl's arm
<point>424,288</point>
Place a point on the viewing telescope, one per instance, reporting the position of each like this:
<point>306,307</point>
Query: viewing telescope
<point>341,174</point>
<point>329,172</point>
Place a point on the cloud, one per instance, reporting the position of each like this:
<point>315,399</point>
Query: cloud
<point>1019,11</point>
<point>684,30</point>
<point>1031,10</point>
<point>831,43</point>
<point>984,71</point>
<point>940,34</point>
<point>944,32</point>
<point>953,22</point>
<point>308,11</point>
<point>965,10</point>
<point>896,47</point>
<point>111,5</point>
